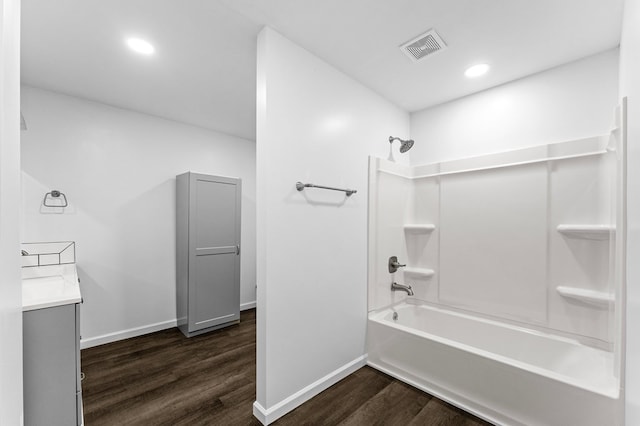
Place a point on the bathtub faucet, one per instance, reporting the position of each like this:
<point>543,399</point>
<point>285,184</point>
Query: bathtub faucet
<point>395,287</point>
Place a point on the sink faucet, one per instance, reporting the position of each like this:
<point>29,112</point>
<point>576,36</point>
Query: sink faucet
<point>395,287</point>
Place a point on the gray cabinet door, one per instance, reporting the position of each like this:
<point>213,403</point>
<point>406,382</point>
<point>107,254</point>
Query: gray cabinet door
<point>214,250</point>
<point>50,341</point>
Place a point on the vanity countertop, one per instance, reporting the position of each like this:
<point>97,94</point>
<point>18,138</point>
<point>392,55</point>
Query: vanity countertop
<point>48,286</point>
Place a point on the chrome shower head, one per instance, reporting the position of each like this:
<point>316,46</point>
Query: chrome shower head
<point>405,145</point>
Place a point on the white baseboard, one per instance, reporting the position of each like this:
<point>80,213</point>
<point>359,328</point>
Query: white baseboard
<point>270,415</point>
<point>248,305</point>
<point>260,413</point>
<point>125,334</point>
<point>139,331</point>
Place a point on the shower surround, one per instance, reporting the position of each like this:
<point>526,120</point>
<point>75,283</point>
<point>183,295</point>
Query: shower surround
<point>515,261</point>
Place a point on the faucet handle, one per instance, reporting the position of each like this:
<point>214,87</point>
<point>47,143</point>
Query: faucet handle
<point>394,264</point>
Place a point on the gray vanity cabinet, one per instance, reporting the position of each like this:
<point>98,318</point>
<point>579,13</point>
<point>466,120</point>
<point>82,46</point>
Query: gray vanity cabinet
<point>208,252</point>
<point>51,356</point>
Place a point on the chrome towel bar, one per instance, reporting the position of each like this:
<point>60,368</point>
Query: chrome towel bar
<point>300,186</point>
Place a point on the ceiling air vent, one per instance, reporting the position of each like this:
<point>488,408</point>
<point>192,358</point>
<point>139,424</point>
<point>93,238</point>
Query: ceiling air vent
<point>423,45</point>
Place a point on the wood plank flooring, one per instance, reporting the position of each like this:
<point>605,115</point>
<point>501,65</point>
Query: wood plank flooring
<point>166,379</point>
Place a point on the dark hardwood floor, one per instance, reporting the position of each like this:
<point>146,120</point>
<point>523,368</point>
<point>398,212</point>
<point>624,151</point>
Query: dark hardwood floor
<point>166,379</point>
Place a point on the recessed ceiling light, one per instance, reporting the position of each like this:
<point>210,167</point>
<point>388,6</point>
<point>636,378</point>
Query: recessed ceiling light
<point>476,70</point>
<point>140,46</point>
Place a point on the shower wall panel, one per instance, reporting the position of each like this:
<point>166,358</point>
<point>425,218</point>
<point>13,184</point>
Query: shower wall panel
<point>527,237</point>
<point>422,247</point>
<point>581,193</point>
<point>392,207</point>
<point>493,241</point>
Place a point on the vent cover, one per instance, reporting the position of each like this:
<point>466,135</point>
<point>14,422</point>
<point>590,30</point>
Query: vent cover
<point>424,45</point>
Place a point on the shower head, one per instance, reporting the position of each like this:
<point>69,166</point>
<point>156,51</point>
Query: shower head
<point>405,145</point>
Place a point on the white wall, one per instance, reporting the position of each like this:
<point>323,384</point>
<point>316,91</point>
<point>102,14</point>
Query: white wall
<point>315,125</point>
<point>118,169</point>
<point>10,288</point>
<point>571,101</point>
<point>630,87</point>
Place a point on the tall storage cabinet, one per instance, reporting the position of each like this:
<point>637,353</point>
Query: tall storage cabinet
<point>208,252</point>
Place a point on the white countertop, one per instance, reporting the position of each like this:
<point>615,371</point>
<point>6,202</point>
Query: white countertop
<point>48,286</point>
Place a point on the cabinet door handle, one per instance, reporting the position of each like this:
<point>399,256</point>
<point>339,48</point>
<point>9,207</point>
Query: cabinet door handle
<point>237,249</point>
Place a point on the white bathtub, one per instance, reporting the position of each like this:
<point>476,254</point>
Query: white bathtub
<point>505,374</point>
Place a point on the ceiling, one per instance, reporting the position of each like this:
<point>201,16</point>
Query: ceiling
<point>204,69</point>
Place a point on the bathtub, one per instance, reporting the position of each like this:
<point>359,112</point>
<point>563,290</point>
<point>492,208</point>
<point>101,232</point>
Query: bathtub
<point>505,374</point>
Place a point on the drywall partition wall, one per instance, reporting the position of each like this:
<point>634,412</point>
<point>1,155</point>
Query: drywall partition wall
<point>10,285</point>
<point>572,101</point>
<point>315,125</point>
<point>630,88</point>
<point>118,170</point>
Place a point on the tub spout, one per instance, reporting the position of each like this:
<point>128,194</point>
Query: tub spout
<point>395,287</point>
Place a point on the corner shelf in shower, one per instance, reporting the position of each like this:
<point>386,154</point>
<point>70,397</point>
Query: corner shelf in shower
<point>419,228</point>
<point>598,298</point>
<point>587,232</point>
<point>418,272</point>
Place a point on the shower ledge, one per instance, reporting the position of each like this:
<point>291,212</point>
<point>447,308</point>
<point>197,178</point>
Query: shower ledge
<point>598,298</point>
<point>419,272</point>
<point>588,232</point>
<point>417,228</point>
